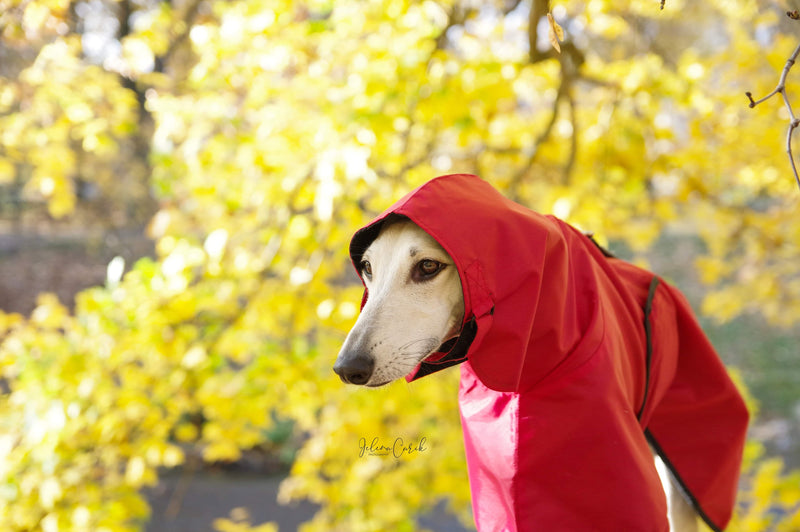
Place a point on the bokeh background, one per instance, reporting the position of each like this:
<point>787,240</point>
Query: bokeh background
<point>179,180</point>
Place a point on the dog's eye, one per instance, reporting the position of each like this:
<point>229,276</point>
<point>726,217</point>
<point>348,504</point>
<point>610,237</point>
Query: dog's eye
<point>429,267</point>
<point>366,269</point>
<point>426,269</point>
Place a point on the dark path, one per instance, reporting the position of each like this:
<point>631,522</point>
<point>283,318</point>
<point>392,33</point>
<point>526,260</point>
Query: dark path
<point>191,503</point>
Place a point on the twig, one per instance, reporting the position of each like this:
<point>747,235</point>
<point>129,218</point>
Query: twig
<point>794,121</point>
<point>780,88</point>
<point>539,9</point>
<point>456,17</point>
<point>573,151</point>
<point>514,5</point>
<point>516,180</point>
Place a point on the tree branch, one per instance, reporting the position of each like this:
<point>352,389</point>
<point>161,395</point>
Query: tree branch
<point>539,9</point>
<point>573,148</point>
<point>456,17</point>
<point>794,121</point>
<point>514,5</point>
<point>189,17</point>
<point>570,60</point>
<point>516,180</point>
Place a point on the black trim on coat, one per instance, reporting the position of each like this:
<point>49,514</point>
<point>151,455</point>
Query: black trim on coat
<point>648,333</point>
<point>606,253</point>
<point>688,494</point>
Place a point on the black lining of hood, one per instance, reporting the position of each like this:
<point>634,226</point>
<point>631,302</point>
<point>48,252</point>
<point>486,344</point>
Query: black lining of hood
<point>456,355</point>
<point>448,345</point>
<point>364,237</point>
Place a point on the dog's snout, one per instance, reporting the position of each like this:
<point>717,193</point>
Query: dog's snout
<point>356,369</point>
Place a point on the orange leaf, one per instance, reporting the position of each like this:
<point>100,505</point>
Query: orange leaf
<point>556,33</point>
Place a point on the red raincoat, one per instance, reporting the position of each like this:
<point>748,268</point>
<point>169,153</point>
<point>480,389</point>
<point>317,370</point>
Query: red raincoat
<point>573,362</point>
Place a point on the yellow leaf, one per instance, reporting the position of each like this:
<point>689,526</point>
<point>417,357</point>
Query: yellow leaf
<point>135,472</point>
<point>49,312</point>
<point>225,451</point>
<point>50,492</point>
<point>556,33</point>
<point>186,432</point>
<point>194,357</point>
<point>7,171</point>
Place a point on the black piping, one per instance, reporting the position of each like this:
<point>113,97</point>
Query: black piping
<point>695,504</point>
<point>648,307</point>
<point>648,333</point>
<point>606,253</point>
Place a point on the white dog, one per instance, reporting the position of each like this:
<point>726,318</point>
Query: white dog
<point>416,305</point>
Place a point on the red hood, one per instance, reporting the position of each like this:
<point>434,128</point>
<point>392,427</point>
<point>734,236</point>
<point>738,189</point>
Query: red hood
<point>577,364</point>
<point>509,259</point>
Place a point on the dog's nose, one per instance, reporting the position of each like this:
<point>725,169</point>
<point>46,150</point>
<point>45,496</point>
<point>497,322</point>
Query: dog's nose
<point>354,370</point>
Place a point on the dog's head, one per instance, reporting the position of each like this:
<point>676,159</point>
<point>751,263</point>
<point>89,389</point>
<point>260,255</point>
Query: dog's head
<point>415,304</point>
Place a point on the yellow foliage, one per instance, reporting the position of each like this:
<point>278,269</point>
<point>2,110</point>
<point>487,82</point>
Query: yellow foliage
<point>269,131</point>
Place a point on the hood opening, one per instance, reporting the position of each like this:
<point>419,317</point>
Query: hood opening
<point>451,352</point>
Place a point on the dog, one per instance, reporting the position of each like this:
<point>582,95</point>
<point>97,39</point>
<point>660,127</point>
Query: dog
<point>415,306</point>
<point>576,367</point>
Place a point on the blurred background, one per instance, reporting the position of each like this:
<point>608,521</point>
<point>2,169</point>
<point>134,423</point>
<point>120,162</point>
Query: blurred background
<point>179,181</point>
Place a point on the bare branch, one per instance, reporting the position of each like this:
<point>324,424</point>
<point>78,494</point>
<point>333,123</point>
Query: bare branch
<point>514,5</point>
<point>456,17</point>
<point>517,178</point>
<point>570,60</point>
<point>539,9</point>
<point>189,16</point>
<point>792,127</point>
<point>573,149</point>
<point>781,88</point>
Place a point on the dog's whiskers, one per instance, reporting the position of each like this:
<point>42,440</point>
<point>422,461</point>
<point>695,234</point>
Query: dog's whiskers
<point>399,365</point>
<point>430,344</point>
